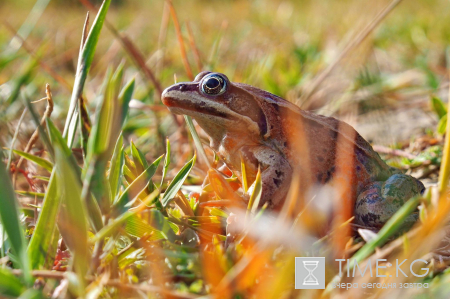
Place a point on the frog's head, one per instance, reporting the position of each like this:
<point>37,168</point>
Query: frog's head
<point>219,105</point>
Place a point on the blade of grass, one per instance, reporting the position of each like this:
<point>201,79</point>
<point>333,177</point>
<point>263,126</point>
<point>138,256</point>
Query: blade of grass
<point>194,47</point>
<point>83,116</point>
<point>27,26</point>
<point>388,230</point>
<point>162,38</point>
<point>116,168</point>
<point>183,204</point>
<point>166,161</point>
<point>24,76</point>
<point>215,48</point>
<point>124,100</point>
<point>132,50</point>
<point>186,64</point>
<point>9,216</point>
<point>136,187</point>
<point>42,247</point>
<point>10,285</point>
<point>135,226</point>
<point>438,106</point>
<point>112,226</point>
<point>13,141</point>
<point>102,138</point>
<point>47,114</point>
<point>95,216</point>
<point>138,158</point>
<point>221,186</point>
<point>84,64</point>
<point>355,42</point>
<point>244,175</point>
<point>31,194</point>
<point>51,71</point>
<point>79,110</point>
<point>38,160</point>
<point>35,136</point>
<point>197,142</point>
<point>157,220</point>
<point>44,137</point>
<point>72,220</point>
<point>177,182</point>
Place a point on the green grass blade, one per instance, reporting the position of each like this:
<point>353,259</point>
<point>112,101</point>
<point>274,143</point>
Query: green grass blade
<point>197,142</point>
<point>116,168</point>
<point>107,127</point>
<point>95,216</point>
<point>177,182</point>
<point>31,194</point>
<point>72,219</point>
<point>9,217</point>
<point>14,139</point>
<point>104,134</point>
<point>85,126</point>
<point>57,139</point>
<point>113,225</point>
<point>7,58</point>
<point>10,285</point>
<point>442,125</point>
<point>136,187</point>
<point>31,294</point>
<point>438,107</point>
<point>166,161</point>
<point>388,230</point>
<point>84,64</point>
<point>125,98</point>
<point>42,247</point>
<point>100,137</point>
<point>136,227</point>
<point>42,134</point>
<point>160,223</point>
<point>27,26</point>
<point>138,158</point>
<point>23,78</point>
<point>38,160</point>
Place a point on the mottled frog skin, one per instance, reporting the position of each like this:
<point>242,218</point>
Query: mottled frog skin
<point>276,135</point>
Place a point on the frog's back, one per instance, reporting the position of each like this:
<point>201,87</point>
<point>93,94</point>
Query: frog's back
<point>327,138</point>
<point>312,141</point>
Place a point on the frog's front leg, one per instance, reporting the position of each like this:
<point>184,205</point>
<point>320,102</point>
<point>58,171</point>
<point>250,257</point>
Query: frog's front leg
<point>378,201</point>
<point>276,173</point>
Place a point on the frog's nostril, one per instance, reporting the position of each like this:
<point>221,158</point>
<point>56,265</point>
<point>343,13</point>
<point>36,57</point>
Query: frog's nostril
<point>182,87</point>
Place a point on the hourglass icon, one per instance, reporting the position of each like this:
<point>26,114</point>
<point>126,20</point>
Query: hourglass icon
<point>310,279</point>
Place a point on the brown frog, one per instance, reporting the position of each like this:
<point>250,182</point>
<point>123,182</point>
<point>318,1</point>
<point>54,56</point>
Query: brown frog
<point>266,131</point>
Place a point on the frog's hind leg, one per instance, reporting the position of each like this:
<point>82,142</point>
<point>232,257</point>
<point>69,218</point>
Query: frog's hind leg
<point>379,200</point>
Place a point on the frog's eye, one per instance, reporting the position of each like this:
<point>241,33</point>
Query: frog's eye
<point>214,85</point>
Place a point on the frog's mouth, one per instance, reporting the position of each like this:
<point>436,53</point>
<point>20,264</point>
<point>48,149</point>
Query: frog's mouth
<point>180,106</point>
<point>184,102</point>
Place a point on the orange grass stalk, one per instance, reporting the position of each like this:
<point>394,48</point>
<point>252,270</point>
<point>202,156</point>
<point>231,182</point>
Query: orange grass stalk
<point>186,64</point>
